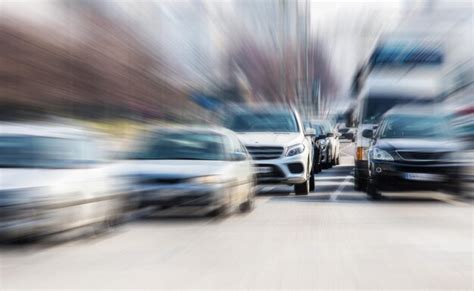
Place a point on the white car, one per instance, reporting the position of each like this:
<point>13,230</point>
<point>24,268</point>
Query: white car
<point>281,148</point>
<point>195,169</point>
<point>53,178</point>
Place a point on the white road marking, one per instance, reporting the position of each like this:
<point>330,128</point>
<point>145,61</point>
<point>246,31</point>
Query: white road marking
<point>340,188</point>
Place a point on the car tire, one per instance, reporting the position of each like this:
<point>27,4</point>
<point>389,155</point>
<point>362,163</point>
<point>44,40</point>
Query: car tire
<point>372,192</point>
<point>312,185</point>
<point>302,188</point>
<point>325,166</point>
<point>222,211</point>
<point>249,204</point>
<point>329,164</point>
<point>338,162</point>
<point>359,184</point>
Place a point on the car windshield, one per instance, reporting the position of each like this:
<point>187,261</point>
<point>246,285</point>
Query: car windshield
<point>406,126</point>
<point>375,107</point>
<point>44,152</point>
<point>263,122</point>
<point>182,146</point>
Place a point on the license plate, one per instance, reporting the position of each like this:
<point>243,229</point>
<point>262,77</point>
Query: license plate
<point>423,177</point>
<point>263,170</point>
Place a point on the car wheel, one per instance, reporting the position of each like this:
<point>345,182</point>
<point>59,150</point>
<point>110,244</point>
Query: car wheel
<point>249,204</point>
<point>337,160</point>
<point>302,188</point>
<point>372,192</point>
<point>359,184</point>
<point>312,186</point>
<point>221,211</point>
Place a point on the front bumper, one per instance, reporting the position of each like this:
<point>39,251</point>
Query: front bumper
<point>402,176</point>
<point>182,195</point>
<point>280,170</point>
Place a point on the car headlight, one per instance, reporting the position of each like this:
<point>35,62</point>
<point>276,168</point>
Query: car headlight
<point>211,179</point>
<point>295,150</point>
<point>380,155</point>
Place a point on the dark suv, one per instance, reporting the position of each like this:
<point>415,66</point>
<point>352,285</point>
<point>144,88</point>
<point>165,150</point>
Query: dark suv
<point>411,151</point>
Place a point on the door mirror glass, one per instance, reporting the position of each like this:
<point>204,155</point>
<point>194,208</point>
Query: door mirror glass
<point>368,133</point>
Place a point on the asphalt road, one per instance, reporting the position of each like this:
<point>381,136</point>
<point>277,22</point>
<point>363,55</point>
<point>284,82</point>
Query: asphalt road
<point>333,238</point>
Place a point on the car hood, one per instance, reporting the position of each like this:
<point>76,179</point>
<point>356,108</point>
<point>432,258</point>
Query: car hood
<point>422,145</point>
<point>270,139</point>
<point>171,168</point>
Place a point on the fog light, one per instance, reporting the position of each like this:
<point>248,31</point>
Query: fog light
<point>378,170</point>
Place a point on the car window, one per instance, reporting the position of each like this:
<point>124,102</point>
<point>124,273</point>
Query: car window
<point>185,145</point>
<point>46,152</point>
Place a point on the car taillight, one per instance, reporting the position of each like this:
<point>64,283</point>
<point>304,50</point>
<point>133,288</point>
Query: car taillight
<point>360,154</point>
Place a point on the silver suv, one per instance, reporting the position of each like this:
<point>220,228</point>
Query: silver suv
<point>281,148</point>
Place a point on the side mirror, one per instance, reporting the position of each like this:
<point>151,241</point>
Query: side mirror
<point>322,136</point>
<point>330,134</point>
<point>310,131</point>
<point>368,133</point>
<point>238,156</point>
<point>349,135</point>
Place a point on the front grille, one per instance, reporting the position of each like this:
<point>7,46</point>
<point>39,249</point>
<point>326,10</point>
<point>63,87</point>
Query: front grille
<point>421,156</point>
<point>265,152</point>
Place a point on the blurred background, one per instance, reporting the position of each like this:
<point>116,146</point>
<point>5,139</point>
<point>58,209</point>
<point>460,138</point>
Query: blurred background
<point>182,60</point>
<point>83,81</point>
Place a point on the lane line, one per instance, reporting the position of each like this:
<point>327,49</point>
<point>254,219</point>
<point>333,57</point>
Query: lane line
<point>339,189</point>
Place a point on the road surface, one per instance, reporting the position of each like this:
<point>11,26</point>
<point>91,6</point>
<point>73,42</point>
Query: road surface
<point>333,238</point>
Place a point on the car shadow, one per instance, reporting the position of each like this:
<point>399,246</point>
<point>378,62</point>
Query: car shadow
<point>349,196</point>
<point>274,190</point>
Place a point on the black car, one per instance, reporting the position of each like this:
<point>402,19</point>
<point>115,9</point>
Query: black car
<point>412,152</point>
<point>330,143</point>
<point>319,146</point>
